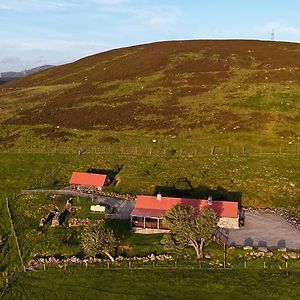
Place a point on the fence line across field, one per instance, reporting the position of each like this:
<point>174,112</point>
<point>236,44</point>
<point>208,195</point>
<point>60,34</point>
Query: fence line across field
<point>214,150</point>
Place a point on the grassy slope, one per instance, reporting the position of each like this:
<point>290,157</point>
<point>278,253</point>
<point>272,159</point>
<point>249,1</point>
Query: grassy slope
<point>207,87</point>
<point>188,96</point>
<point>155,284</point>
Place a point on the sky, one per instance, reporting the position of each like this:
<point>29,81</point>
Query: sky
<point>38,32</point>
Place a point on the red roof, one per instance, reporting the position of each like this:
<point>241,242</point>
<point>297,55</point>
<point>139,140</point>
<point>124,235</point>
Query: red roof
<point>88,179</point>
<point>149,206</point>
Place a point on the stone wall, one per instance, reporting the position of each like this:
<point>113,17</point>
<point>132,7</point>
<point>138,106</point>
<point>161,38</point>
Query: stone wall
<point>229,223</point>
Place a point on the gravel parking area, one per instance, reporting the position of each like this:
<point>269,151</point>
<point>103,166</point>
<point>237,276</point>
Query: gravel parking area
<point>123,207</point>
<point>265,230</point>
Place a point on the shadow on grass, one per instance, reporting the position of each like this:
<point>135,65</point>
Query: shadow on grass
<point>110,173</point>
<point>183,188</point>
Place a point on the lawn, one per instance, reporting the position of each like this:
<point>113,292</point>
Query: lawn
<point>96,283</point>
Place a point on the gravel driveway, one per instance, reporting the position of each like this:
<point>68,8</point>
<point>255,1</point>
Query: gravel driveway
<point>265,230</point>
<point>123,207</point>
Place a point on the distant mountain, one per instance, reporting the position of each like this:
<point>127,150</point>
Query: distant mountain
<point>8,76</point>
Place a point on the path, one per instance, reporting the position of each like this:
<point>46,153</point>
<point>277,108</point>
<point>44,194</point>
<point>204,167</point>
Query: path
<point>265,230</point>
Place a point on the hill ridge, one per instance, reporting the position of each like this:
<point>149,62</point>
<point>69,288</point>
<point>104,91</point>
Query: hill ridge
<point>210,86</point>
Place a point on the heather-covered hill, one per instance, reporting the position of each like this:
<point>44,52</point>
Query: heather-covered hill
<point>181,86</point>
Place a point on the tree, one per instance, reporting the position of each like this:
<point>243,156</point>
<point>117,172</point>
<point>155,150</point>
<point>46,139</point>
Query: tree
<point>99,239</point>
<point>187,231</point>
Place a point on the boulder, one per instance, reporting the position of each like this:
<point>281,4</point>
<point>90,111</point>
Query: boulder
<point>262,249</point>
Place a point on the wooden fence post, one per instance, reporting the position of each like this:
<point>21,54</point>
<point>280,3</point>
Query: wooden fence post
<point>225,256</point>
<point>213,149</point>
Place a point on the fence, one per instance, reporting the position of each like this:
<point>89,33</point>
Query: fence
<point>14,234</point>
<point>207,150</point>
<point>207,264</point>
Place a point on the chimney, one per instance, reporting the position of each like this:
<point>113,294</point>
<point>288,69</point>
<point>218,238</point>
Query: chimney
<point>158,196</point>
<point>210,200</point>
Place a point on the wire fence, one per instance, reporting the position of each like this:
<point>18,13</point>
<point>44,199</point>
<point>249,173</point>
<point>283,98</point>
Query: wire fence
<point>206,264</point>
<point>157,151</point>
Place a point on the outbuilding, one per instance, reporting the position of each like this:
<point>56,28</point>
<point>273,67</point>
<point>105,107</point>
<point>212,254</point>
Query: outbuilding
<point>147,215</point>
<point>88,181</point>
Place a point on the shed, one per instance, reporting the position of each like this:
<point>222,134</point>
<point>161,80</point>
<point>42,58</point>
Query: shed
<point>89,181</point>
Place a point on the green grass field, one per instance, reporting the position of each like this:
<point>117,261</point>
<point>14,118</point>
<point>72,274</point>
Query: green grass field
<point>96,283</point>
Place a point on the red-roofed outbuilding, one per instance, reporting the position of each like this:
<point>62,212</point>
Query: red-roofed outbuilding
<point>88,181</point>
<point>149,210</point>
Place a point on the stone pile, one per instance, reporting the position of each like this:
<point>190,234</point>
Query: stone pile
<point>268,254</point>
<point>288,215</point>
<point>48,218</point>
<point>117,195</point>
<point>291,255</point>
<point>76,222</point>
<point>55,220</point>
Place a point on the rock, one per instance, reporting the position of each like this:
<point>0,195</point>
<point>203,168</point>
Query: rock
<point>262,249</point>
<point>247,247</point>
<point>282,249</point>
<point>152,257</point>
<point>293,255</point>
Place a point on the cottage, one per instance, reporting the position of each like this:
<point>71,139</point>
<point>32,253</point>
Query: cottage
<point>147,215</point>
<point>88,181</point>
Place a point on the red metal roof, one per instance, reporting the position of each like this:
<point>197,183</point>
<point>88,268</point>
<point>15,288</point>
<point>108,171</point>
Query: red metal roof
<point>88,179</point>
<point>149,206</point>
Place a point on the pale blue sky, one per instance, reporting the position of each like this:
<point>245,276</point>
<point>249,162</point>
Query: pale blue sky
<point>37,32</point>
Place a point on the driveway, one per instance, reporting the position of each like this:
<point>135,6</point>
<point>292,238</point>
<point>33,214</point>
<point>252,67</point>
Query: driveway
<point>123,207</point>
<point>265,230</point>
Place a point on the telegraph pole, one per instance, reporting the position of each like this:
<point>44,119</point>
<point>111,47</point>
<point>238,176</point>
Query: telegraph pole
<point>273,35</point>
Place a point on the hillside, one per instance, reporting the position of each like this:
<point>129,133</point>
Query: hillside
<point>209,87</point>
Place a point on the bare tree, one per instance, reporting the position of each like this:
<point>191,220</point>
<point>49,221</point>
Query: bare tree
<point>96,240</point>
<point>187,231</point>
